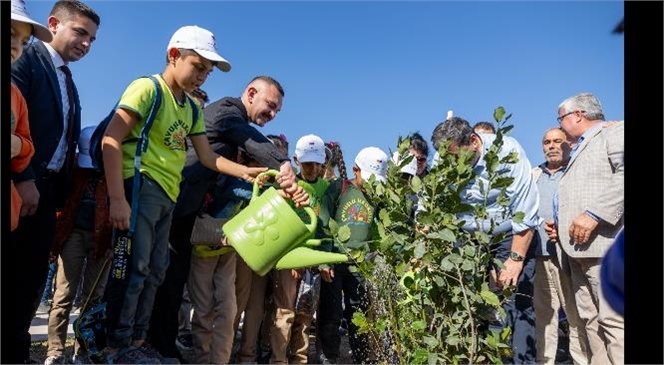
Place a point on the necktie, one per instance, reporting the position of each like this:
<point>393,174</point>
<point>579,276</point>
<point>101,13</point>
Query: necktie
<point>69,82</point>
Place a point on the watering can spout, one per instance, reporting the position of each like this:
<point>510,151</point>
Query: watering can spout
<point>301,257</point>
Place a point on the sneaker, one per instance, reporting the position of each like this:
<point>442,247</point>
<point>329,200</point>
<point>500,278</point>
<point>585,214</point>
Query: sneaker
<point>54,360</point>
<point>185,342</point>
<point>43,308</point>
<point>151,352</point>
<point>132,355</point>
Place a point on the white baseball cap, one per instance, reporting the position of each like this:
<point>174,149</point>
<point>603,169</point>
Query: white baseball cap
<point>410,168</point>
<point>372,161</point>
<point>84,159</point>
<point>310,148</point>
<point>20,13</point>
<point>201,41</point>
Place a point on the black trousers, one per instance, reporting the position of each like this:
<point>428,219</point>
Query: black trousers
<point>164,321</point>
<point>350,287</point>
<point>27,254</point>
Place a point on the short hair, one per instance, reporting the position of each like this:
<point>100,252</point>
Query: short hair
<point>484,125</point>
<point>270,81</point>
<point>586,102</point>
<point>456,130</point>
<point>66,9</point>
<point>419,144</point>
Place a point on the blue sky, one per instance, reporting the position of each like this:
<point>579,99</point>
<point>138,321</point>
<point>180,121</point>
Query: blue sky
<point>364,73</point>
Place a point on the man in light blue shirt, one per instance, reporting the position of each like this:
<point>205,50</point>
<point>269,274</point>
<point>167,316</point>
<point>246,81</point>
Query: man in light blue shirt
<point>514,251</point>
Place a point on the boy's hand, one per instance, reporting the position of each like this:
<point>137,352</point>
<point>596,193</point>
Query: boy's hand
<point>301,197</point>
<point>119,214</point>
<point>17,144</point>
<point>30,196</point>
<point>327,274</point>
<point>251,172</point>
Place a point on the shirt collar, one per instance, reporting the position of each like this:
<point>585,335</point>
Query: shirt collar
<point>55,56</point>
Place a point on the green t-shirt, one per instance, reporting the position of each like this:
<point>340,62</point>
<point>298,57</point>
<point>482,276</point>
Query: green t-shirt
<point>350,209</point>
<point>316,190</point>
<point>165,157</point>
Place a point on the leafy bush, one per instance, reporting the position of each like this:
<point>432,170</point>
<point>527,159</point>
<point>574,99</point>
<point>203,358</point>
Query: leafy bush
<point>427,277</point>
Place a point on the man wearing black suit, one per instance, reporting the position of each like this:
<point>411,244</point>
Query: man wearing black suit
<point>54,109</point>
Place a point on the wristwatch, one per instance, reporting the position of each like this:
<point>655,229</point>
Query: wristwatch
<point>515,256</point>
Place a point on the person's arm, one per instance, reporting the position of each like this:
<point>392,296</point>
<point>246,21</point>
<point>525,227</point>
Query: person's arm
<point>524,197</point>
<point>609,205</point>
<point>20,158</point>
<point>111,145</point>
<point>22,75</point>
<point>232,129</point>
<point>509,275</point>
<point>216,162</point>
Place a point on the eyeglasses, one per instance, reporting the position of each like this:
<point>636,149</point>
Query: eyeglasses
<point>560,118</point>
<point>421,159</point>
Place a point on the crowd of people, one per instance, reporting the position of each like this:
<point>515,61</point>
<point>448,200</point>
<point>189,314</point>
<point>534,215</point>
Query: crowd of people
<point>121,235</point>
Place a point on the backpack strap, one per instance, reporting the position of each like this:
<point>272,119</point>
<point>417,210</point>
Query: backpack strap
<point>194,110</point>
<point>142,146</point>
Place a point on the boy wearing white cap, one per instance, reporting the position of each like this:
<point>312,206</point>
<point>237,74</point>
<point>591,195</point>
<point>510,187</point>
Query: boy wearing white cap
<point>191,56</point>
<point>81,244</point>
<point>290,329</point>
<point>345,202</point>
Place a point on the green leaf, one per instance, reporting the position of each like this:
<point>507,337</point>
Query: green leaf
<point>518,217</point>
<point>343,234</point>
<point>490,297</point>
<point>498,113</point>
<point>419,325</point>
<point>419,251</point>
<point>430,341</point>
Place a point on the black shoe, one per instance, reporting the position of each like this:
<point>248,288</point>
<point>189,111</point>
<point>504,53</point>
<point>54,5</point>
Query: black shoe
<point>185,342</point>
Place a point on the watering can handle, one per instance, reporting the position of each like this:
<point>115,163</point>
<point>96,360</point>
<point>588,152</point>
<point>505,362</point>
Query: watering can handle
<point>314,219</point>
<point>272,173</point>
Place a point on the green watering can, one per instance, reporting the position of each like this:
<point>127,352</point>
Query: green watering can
<point>268,233</point>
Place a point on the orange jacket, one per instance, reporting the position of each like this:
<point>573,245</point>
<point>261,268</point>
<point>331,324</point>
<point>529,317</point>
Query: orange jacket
<point>21,129</point>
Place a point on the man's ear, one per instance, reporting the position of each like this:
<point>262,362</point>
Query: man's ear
<point>251,92</point>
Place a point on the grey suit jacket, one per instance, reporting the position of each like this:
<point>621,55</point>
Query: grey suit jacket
<point>594,181</point>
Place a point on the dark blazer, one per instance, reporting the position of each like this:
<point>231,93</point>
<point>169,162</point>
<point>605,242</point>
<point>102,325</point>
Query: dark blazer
<point>34,74</point>
<point>228,129</point>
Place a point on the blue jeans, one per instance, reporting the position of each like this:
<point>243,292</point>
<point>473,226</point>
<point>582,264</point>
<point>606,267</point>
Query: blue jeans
<point>138,269</point>
<point>519,306</point>
<point>48,287</point>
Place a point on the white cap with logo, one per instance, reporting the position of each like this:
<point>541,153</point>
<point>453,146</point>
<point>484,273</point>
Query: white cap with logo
<point>410,168</point>
<point>20,13</point>
<point>201,41</point>
<point>310,148</point>
<point>372,161</point>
